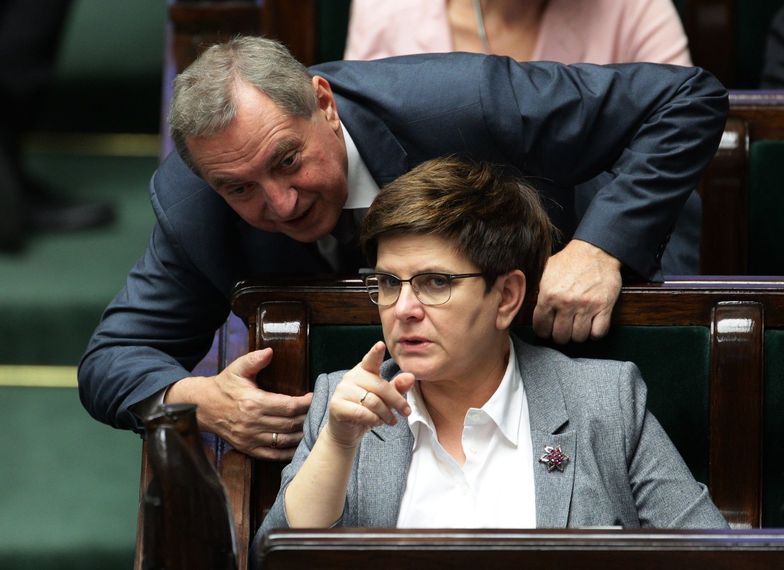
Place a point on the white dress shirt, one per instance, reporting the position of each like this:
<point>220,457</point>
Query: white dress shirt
<point>495,486</point>
<point>362,189</point>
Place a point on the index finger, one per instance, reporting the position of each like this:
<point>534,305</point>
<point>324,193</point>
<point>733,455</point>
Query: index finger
<point>371,362</point>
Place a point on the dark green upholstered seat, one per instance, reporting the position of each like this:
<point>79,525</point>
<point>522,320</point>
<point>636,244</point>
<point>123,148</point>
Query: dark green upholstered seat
<point>673,360</point>
<point>766,208</point>
<point>773,431</point>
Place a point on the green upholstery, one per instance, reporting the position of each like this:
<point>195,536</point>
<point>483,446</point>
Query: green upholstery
<point>69,492</point>
<point>674,362</point>
<point>766,208</point>
<point>752,21</point>
<point>773,430</point>
<point>54,294</point>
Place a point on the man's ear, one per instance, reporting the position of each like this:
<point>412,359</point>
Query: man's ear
<point>512,288</point>
<point>326,101</point>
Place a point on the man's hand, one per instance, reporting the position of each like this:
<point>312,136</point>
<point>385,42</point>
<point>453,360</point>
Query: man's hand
<point>233,407</point>
<point>578,291</point>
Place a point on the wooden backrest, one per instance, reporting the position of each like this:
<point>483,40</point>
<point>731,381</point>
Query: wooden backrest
<point>391,549</point>
<point>754,116</point>
<point>696,342</point>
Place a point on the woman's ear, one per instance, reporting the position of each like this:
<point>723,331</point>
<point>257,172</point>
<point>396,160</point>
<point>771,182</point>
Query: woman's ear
<point>512,288</point>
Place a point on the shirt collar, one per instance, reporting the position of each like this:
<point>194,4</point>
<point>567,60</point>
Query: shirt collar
<point>504,405</point>
<point>419,416</point>
<point>362,189</point>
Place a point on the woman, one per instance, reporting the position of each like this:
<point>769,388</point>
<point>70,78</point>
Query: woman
<point>466,425</point>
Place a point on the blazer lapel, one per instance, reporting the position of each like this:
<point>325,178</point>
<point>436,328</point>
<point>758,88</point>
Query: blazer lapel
<point>547,414</point>
<point>383,155</point>
<point>383,470</point>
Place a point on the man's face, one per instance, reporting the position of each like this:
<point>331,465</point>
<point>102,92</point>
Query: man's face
<point>279,173</point>
<point>457,342</point>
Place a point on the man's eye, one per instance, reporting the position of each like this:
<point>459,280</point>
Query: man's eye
<point>289,160</point>
<point>237,191</point>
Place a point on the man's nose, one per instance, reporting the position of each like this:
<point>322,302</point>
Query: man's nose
<point>280,199</point>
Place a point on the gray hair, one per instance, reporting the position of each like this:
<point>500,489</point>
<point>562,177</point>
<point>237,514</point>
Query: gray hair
<point>203,100</point>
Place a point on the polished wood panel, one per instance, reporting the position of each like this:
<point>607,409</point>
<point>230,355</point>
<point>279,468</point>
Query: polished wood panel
<point>710,27</point>
<point>724,192</point>
<point>344,301</point>
<point>195,26</point>
<point>282,326</point>
<point>587,549</point>
<point>736,411</point>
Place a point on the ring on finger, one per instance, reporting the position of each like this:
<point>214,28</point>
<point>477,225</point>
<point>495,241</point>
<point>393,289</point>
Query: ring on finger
<point>275,439</point>
<point>362,399</point>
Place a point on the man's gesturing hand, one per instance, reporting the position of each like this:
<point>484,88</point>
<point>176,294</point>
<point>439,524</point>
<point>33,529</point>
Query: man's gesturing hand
<point>578,291</point>
<point>233,407</point>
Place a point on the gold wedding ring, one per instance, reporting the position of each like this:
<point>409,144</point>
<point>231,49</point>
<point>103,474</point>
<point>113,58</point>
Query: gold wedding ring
<point>275,439</point>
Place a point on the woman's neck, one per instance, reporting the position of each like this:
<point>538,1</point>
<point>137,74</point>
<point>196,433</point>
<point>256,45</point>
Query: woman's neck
<point>448,401</point>
<point>511,27</point>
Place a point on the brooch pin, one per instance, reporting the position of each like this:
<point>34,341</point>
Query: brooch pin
<point>554,458</point>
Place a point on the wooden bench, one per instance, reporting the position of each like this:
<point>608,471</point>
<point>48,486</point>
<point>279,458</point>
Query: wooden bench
<point>708,352</point>
<point>391,549</point>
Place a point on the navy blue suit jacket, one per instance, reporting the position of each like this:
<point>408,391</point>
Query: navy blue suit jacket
<point>648,130</point>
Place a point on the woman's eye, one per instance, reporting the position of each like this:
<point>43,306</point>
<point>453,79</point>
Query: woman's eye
<point>388,282</point>
<point>437,281</point>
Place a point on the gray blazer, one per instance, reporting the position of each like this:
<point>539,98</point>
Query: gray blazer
<point>624,470</point>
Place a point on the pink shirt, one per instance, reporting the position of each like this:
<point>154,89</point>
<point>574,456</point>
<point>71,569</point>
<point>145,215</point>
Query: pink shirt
<point>573,31</point>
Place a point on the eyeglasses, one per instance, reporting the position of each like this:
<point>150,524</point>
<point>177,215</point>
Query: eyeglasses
<point>429,288</point>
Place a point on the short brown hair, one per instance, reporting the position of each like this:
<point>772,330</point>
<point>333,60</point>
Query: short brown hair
<point>495,219</point>
<point>203,99</point>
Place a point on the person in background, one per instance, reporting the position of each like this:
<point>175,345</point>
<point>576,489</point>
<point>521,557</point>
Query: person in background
<point>29,36</point>
<point>773,66</point>
<point>567,31</point>
<point>466,425</point>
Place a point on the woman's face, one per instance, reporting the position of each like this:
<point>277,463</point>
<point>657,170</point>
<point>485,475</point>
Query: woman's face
<point>457,340</point>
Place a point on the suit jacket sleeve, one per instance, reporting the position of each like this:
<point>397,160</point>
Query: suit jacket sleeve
<point>162,322</point>
<point>649,129</point>
<point>155,330</point>
<point>664,490</point>
<point>652,128</point>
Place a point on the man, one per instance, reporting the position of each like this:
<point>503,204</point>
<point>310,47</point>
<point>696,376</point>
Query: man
<point>287,159</point>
